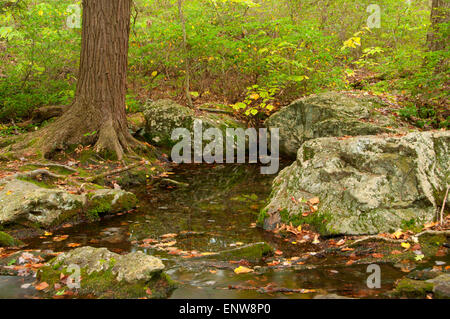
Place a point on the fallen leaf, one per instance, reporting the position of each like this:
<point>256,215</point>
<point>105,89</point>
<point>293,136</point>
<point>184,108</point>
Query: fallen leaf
<point>398,234</point>
<point>73,245</point>
<point>406,245</point>
<point>60,238</point>
<point>278,252</point>
<point>43,285</point>
<point>169,236</point>
<point>314,200</point>
<point>242,270</point>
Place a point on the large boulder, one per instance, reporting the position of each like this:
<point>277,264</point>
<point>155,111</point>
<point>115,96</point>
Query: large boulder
<point>109,275</point>
<point>25,203</point>
<point>365,184</point>
<point>164,116</point>
<point>328,114</point>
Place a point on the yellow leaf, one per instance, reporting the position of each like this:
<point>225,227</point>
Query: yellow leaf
<point>397,234</point>
<point>254,96</point>
<point>406,245</point>
<point>242,270</point>
<point>154,73</point>
<point>41,12</point>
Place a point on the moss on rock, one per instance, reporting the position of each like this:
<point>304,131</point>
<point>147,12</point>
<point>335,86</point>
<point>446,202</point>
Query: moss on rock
<point>413,288</point>
<point>7,240</point>
<point>108,275</point>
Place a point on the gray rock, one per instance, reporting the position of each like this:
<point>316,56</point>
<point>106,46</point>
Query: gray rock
<point>26,203</point>
<point>441,287</point>
<point>22,201</point>
<point>328,114</point>
<point>366,184</point>
<point>105,274</point>
<point>163,116</point>
<point>131,268</point>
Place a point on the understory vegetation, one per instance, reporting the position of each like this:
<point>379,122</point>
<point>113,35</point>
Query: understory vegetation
<point>249,57</point>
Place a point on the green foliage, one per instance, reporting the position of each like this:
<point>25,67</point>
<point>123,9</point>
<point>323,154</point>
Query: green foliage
<point>297,47</point>
<point>258,99</point>
<point>39,58</point>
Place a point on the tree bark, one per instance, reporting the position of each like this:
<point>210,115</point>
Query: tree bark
<point>97,115</point>
<point>439,16</point>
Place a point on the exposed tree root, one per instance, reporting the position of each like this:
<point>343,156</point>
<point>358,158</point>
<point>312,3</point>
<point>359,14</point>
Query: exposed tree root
<point>116,171</point>
<point>109,137</point>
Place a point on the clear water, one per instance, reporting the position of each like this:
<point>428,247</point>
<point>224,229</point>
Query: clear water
<point>217,210</point>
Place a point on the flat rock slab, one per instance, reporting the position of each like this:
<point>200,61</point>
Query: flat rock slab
<point>109,275</point>
<point>25,203</point>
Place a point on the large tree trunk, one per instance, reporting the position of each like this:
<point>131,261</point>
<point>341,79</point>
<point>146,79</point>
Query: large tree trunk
<point>439,16</point>
<point>97,115</point>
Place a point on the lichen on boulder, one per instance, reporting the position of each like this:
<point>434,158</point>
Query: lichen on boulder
<point>366,184</point>
<point>329,114</point>
<point>164,116</point>
<point>27,204</point>
<point>109,275</point>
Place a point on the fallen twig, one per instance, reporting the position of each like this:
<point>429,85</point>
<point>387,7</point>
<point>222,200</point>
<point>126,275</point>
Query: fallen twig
<point>115,171</point>
<point>171,181</point>
<point>391,240</point>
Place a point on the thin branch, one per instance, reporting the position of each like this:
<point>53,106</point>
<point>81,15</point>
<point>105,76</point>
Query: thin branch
<point>115,171</point>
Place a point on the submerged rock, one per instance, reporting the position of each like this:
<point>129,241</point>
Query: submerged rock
<point>252,252</point>
<point>413,288</point>
<point>441,288</point>
<point>164,116</point>
<point>28,204</point>
<point>325,115</point>
<point>365,184</point>
<point>109,275</point>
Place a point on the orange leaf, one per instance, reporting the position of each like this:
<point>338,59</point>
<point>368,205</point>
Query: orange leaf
<point>43,285</point>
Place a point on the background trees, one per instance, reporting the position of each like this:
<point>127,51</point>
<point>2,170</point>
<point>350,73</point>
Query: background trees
<point>287,48</point>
